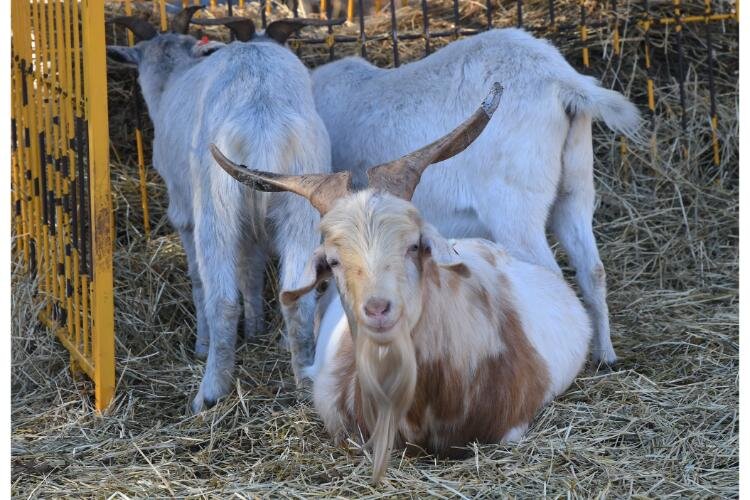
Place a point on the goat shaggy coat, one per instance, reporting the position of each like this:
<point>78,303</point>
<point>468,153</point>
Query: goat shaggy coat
<point>495,338</point>
<point>531,168</point>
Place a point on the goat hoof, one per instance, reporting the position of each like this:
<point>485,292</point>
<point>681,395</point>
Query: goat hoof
<point>251,330</point>
<point>608,367</point>
<point>201,403</point>
<point>201,351</point>
<point>606,357</point>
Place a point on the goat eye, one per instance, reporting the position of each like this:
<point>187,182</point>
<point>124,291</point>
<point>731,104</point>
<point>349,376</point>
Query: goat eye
<point>414,248</point>
<point>333,262</point>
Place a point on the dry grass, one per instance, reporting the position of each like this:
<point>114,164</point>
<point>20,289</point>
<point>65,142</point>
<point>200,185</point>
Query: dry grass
<point>665,423</point>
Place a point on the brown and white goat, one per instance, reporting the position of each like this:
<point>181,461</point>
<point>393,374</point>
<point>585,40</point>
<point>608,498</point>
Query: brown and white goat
<point>433,343</point>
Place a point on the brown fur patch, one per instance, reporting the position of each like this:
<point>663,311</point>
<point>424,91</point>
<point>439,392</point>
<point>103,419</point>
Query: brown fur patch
<point>509,388</point>
<point>431,272</point>
<point>454,282</point>
<point>506,391</point>
<point>460,269</point>
<point>483,297</point>
<point>439,387</point>
<point>487,255</point>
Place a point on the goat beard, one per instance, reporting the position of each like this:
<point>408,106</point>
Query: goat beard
<point>387,377</point>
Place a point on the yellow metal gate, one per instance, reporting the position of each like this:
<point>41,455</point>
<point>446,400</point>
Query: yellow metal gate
<point>60,175</point>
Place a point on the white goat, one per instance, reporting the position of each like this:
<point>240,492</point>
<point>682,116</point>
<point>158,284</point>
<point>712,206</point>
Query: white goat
<point>433,343</point>
<point>532,168</point>
<point>255,100</point>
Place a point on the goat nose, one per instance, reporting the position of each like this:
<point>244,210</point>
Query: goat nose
<point>377,307</point>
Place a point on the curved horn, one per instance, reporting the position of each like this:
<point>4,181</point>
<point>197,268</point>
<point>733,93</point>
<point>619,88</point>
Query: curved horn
<point>283,28</point>
<point>400,177</point>
<point>140,28</point>
<point>322,190</point>
<point>181,21</point>
<point>242,27</point>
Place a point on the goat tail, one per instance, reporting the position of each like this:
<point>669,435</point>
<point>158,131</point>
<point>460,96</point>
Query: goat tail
<point>583,94</point>
<point>255,203</point>
<point>387,376</point>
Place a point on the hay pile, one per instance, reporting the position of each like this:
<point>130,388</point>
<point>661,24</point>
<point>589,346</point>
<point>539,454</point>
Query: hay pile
<point>664,423</point>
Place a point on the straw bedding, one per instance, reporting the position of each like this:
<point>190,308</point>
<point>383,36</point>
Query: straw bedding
<point>664,422</point>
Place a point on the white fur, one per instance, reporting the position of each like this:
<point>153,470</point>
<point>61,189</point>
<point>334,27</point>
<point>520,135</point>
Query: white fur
<point>254,101</point>
<point>553,320</point>
<point>333,325</point>
<point>532,166</point>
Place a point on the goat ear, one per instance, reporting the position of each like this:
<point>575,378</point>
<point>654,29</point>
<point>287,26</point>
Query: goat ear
<point>201,49</point>
<point>316,271</point>
<point>434,246</point>
<point>125,55</point>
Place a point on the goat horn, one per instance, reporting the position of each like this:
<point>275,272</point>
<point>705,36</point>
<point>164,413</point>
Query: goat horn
<point>322,190</point>
<point>283,28</point>
<point>181,21</point>
<point>140,28</point>
<point>242,27</point>
<point>400,177</point>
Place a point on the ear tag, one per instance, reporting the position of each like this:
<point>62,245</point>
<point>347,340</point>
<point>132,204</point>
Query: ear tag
<point>203,40</point>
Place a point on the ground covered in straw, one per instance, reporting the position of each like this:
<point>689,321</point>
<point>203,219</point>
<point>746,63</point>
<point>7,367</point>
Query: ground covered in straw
<point>663,423</point>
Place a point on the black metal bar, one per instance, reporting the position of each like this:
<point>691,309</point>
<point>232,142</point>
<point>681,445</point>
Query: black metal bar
<point>362,35</point>
<point>711,61</point>
<point>519,12</point>
<point>263,13</point>
<point>295,14</point>
<point>394,34</point>
<point>74,214</point>
<point>13,135</point>
<point>489,14</point>
<point>81,153</point>
<point>24,84</point>
<point>51,202</point>
<point>456,18</point>
<point>551,7</point>
<point>32,256</point>
<point>681,68</point>
<point>229,8</point>
<point>43,176</point>
<point>426,27</point>
<point>436,34</point>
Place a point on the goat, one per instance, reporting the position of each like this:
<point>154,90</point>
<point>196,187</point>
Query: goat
<point>533,167</point>
<point>431,342</point>
<point>255,99</point>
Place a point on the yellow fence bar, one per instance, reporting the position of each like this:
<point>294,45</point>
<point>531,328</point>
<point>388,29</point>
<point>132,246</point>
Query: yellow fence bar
<point>94,45</point>
<point>139,141</point>
<point>163,15</point>
<point>60,175</point>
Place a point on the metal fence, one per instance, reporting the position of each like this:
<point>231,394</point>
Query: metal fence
<point>60,176</point>
<point>60,172</point>
<point>626,25</point>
